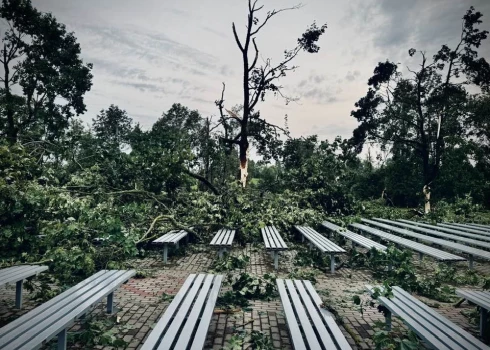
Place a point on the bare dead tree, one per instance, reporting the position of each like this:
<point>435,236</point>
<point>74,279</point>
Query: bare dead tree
<point>257,81</point>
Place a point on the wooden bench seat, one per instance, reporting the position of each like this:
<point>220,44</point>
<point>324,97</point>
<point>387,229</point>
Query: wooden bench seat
<point>481,299</point>
<point>53,318</point>
<point>17,275</point>
<point>434,329</point>
<point>172,237</point>
<point>185,323</point>
<point>223,240</point>
<point>484,236</point>
<point>321,242</point>
<point>465,228</point>
<point>273,242</point>
<point>310,325</point>
<point>354,237</point>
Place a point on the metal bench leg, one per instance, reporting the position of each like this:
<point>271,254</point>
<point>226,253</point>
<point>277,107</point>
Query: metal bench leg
<point>276,259</point>
<point>332,263</point>
<point>471,262</point>
<point>484,325</point>
<point>177,245</point>
<point>165,253</point>
<point>302,238</point>
<point>388,320</point>
<point>110,303</point>
<point>62,340</point>
<point>220,253</point>
<point>421,256</point>
<point>18,294</point>
<point>353,245</point>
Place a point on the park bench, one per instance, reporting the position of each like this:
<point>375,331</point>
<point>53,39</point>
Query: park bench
<point>415,246</point>
<point>465,239</point>
<point>484,236</point>
<point>172,237</point>
<point>310,325</point>
<point>35,328</point>
<point>273,242</point>
<point>481,299</point>
<point>223,239</point>
<point>321,242</point>
<point>17,275</point>
<point>434,329</point>
<point>355,238</point>
<point>464,227</point>
<point>185,323</point>
<point>472,252</point>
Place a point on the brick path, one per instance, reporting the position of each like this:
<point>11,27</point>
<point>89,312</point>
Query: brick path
<point>140,303</point>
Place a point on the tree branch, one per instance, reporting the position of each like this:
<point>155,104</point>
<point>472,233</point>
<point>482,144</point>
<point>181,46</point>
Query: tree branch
<point>272,14</point>
<point>236,37</point>
<point>203,180</point>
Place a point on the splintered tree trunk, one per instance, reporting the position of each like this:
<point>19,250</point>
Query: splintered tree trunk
<point>426,191</point>
<point>244,152</point>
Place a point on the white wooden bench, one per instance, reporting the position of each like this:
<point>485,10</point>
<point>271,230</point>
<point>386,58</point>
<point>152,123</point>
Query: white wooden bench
<point>310,325</point>
<point>354,237</point>
<point>464,227</point>
<point>486,227</point>
<point>434,329</point>
<point>273,242</point>
<point>185,323</point>
<point>482,299</point>
<point>53,318</point>
<point>321,242</point>
<point>17,275</point>
<point>172,237</point>
<point>223,240</point>
<point>482,236</point>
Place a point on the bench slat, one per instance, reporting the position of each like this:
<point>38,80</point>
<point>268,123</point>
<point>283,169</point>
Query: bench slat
<point>159,328</point>
<point>272,239</point>
<point>303,318</point>
<point>179,318</point>
<point>38,330</point>
<point>463,227</point>
<point>327,316</point>
<point>17,273</point>
<point>419,247</point>
<point>320,241</point>
<point>171,237</point>
<point>480,298</point>
<point>223,238</point>
<point>202,330</point>
<point>293,326</point>
<point>453,245</point>
<point>322,331</point>
<point>482,236</point>
<point>355,237</point>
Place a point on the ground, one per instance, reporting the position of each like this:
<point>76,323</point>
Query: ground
<point>140,303</point>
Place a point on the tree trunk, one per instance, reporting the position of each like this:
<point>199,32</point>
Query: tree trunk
<point>426,192</point>
<point>11,128</point>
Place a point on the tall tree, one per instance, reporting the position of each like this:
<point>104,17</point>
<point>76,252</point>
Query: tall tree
<point>258,81</point>
<point>42,61</point>
<point>424,112</point>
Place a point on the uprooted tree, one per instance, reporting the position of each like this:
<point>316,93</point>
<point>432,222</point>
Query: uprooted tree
<point>257,82</point>
<point>422,116</point>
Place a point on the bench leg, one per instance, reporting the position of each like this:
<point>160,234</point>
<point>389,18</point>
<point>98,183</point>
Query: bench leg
<point>62,340</point>
<point>220,253</point>
<point>302,238</point>
<point>353,245</point>
<point>110,303</point>
<point>471,262</point>
<point>484,325</point>
<point>332,263</point>
<point>276,259</point>
<point>421,256</point>
<point>177,245</point>
<point>18,294</point>
<point>165,253</point>
<point>388,320</point>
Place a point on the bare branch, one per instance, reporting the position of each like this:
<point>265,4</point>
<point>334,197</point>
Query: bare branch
<point>256,55</point>
<point>272,14</point>
<point>236,37</point>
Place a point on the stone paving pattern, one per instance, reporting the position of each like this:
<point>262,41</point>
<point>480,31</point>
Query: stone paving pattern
<point>140,304</point>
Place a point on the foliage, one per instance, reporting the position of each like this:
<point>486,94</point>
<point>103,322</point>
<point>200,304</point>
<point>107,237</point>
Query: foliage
<point>397,338</point>
<point>254,287</point>
<point>301,274</point>
<point>101,331</point>
<point>231,262</point>
<point>257,340</point>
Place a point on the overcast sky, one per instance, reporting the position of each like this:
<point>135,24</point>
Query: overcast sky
<point>149,54</point>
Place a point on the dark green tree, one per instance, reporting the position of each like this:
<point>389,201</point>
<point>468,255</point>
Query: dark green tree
<point>43,61</point>
<point>424,112</point>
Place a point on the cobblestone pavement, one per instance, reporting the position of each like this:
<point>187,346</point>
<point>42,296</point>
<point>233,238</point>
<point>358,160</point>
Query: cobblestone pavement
<point>141,302</point>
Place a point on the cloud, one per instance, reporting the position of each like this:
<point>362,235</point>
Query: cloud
<point>351,76</point>
<point>320,95</point>
<point>141,86</point>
